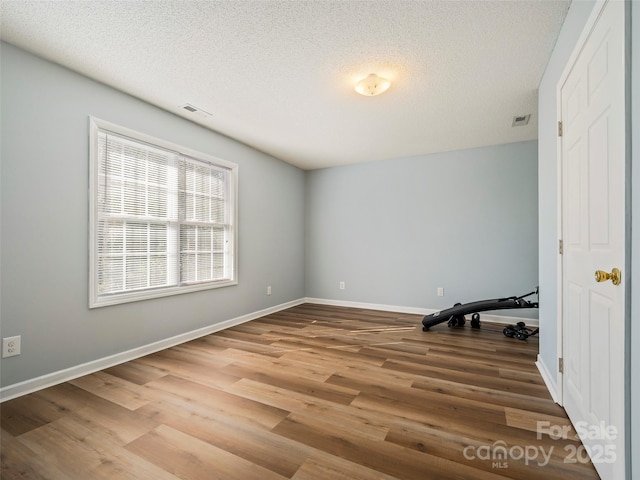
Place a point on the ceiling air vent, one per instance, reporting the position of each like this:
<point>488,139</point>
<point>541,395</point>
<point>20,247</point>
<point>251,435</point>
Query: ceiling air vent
<point>521,120</point>
<point>198,111</point>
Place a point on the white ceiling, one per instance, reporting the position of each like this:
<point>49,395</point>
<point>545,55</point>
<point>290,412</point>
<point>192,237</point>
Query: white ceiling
<point>279,75</point>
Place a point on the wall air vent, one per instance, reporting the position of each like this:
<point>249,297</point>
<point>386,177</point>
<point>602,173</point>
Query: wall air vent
<point>521,120</point>
<point>195,110</point>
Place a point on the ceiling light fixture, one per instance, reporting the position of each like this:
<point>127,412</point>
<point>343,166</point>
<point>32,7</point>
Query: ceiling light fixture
<point>372,85</point>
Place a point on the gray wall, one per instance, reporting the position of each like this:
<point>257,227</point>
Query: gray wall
<point>44,265</point>
<point>396,230</point>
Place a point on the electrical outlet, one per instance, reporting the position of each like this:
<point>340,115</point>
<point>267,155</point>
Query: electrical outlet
<point>440,292</point>
<point>342,286</point>
<point>268,289</point>
<point>11,346</point>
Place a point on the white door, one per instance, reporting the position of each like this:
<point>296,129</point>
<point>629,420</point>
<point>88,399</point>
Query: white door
<point>593,229</point>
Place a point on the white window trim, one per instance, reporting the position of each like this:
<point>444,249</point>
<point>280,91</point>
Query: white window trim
<point>95,300</point>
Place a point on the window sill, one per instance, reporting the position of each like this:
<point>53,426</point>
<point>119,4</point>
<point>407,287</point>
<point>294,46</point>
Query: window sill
<point>117,299</point>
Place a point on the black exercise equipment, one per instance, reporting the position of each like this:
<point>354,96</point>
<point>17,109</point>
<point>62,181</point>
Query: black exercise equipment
<point>519,331</point>
<point>456,314</point>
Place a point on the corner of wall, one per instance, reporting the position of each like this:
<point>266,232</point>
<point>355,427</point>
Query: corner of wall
<point>549,380</point>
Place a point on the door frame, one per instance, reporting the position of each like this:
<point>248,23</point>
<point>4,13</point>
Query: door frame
<point>586,31</point>
<point>559,386</point>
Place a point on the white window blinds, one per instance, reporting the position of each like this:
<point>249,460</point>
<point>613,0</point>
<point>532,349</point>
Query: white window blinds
<point>162,220</point>
<point>204,220</point>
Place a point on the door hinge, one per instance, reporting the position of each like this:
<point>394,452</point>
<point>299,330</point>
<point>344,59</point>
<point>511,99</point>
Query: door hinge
<point>559,129</point>
<point>560,247</point>
<point>561,365</point>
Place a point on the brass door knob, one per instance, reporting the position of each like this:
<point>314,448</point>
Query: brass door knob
<point>615,276</point>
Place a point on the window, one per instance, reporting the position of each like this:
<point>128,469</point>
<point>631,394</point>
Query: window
<point>162,218</point>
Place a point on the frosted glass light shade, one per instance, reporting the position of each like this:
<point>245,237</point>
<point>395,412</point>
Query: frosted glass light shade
<point>372,85</point>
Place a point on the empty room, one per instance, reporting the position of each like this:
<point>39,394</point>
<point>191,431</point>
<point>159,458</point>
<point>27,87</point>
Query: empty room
<point>319,239</point>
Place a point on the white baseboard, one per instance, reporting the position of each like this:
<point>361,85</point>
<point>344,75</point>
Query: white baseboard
<point>531,322</point>
<point>371,306</point>
<point>50,379</point>
<point>548,380</point>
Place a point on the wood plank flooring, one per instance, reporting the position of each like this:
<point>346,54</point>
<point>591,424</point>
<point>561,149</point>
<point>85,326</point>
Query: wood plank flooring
<point>313,392</point>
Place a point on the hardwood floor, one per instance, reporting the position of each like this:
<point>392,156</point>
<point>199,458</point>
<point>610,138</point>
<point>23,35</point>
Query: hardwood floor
<point>312,392</point>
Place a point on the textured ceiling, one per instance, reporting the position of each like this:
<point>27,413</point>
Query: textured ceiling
<point>279,75</point>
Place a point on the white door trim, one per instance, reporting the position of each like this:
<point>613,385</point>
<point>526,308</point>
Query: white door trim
<point>591,21</point>
<point>564,396</point>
